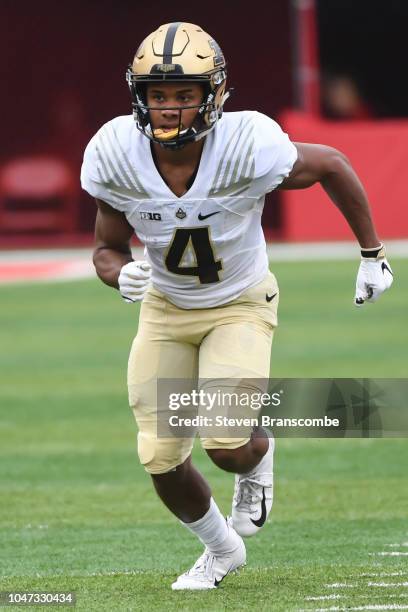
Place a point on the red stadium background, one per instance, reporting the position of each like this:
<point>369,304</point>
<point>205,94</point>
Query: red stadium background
<point>63,69</point>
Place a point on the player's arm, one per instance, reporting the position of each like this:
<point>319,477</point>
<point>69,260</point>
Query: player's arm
<point>112,243</point>
<point>332,169</point>
<point>112,255</point>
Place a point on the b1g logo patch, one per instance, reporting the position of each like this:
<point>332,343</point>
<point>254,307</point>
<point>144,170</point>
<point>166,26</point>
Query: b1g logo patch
<point>150,216</point>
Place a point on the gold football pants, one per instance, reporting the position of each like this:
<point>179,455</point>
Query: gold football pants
<point>232,341</point>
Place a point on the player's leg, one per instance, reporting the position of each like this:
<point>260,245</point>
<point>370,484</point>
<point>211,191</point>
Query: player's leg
<point>220,350</point>
<point>160,351</point>
<point>184,491</point>
<point>238,351</point>
<point>157,355</point>
<point>243,458</point>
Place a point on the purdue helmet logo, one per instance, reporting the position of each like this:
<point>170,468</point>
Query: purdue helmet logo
<point>166,67</point>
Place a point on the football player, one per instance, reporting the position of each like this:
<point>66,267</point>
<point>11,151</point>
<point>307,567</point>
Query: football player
<point>190,181</point>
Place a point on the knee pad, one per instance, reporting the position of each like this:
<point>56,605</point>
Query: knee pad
<point>161,455</point>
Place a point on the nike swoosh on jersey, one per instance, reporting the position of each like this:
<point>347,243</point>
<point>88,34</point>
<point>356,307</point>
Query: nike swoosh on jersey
<point>202,217</point>
<point>269,298</point>
<point>259,522</point>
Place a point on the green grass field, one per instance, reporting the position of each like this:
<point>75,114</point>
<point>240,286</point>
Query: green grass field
<point>77,512</point>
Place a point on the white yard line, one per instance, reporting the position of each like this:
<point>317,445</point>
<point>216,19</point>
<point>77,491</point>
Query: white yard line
<point>74,574</point>
<point>387,584</point>
<point>382,574</point>
<point>344,585</point>
<point>321,597</point>
<point>368,607</point>
<point>383,596</point>
<point>393,553</point>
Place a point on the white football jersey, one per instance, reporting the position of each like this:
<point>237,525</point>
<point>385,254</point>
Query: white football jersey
<point>207,246</point>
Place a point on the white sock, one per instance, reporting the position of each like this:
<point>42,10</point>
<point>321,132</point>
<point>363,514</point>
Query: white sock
<point>211,528</point>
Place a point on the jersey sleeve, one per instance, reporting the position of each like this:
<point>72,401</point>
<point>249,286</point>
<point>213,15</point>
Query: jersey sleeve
<point>275,153</point>
<point>94,177</point>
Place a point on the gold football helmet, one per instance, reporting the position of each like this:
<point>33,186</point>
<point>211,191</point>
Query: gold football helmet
<point>179,52</point>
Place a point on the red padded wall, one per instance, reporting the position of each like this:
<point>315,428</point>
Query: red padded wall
<point>378,151</point>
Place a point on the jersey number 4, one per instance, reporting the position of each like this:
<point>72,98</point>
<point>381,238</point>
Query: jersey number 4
<point>197,241</point>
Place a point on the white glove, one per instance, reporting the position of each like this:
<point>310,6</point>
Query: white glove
<point>133,280</point>
<point>374,276</point>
